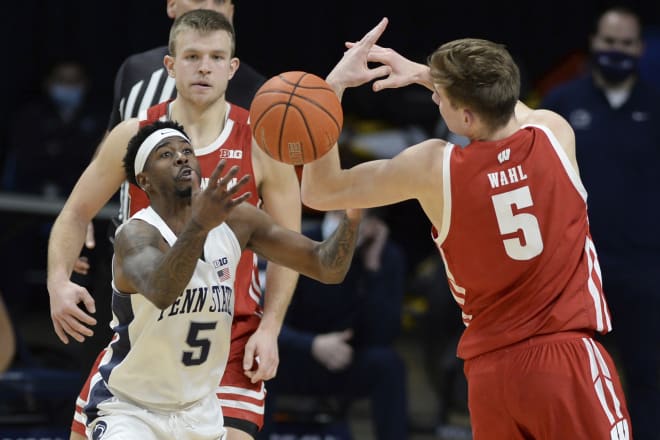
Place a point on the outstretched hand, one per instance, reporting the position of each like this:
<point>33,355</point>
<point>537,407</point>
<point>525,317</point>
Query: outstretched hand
<point>212,205</point>
<point>402,72</point>
<point>352,70</point>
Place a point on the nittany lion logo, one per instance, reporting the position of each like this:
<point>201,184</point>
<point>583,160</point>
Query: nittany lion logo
<point>99,430</point>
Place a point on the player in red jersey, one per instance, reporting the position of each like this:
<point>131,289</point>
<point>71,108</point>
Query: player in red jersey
<point>509,217</point>
<point>202,62</point>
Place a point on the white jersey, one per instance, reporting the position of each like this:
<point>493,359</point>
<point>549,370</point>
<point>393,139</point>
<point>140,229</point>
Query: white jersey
<point>168,360</point>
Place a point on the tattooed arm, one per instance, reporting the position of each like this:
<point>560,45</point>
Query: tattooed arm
<point>326,261</point>
<point>145,263</point>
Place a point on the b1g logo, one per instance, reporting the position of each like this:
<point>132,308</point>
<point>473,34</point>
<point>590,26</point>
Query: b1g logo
<point>220,262</point>
<point>231,154</point>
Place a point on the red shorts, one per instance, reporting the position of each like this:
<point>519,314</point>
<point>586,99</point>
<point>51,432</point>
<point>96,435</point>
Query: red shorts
<point>561,386</point>
<point>240,399</point>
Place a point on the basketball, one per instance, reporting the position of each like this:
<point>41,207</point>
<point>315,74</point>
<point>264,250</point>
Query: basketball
<point>296,117</point>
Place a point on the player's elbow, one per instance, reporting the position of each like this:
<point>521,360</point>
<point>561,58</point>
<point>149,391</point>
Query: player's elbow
<point>333,277</point>
<point>313,192</point>
<point>337,277</point>
<point>333,273</point>
<point>160,297</point>
<point>315,199</point>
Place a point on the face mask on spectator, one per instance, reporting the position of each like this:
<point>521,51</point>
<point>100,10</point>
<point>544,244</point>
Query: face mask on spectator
<point>615,66</point>
<point>67,97</point>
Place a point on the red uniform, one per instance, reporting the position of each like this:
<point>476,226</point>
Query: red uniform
<point>523,268</point>
<point>240,399</point>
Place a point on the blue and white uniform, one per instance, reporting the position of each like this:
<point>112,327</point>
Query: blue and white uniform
<point>162,367</point>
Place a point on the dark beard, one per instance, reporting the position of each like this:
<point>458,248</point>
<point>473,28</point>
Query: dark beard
<point>183,193</point>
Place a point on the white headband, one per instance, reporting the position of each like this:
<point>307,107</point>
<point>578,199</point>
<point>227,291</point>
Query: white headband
<point>151,142</point>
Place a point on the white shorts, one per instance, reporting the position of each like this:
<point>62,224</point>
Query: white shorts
<point>119,419</point>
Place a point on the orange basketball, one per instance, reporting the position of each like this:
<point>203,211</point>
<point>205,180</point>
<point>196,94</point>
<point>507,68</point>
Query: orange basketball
<point>296,117</point>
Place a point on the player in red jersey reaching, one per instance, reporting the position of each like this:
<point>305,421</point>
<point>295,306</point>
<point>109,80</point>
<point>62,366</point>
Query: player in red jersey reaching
<point>202,63</point>
<point>509,217</point>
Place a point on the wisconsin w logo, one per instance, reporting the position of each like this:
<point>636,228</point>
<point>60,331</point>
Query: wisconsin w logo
<point>504,155</point>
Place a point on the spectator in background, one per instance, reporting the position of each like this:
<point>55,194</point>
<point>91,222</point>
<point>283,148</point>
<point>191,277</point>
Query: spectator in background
<point>337,340</point>
<point>51,140</point>
<point>616,119</point>
<point>52,137</point>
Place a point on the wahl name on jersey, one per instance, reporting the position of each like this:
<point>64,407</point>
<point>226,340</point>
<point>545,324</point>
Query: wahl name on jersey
<point>507,177</point>
<point>198,299</point>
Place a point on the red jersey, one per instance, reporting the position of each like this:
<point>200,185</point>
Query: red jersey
<point>234,144</point>
<point>516,243</point>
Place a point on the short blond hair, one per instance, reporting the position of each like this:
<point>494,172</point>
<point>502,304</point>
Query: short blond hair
<point>203,21</point>
<point>480,75</point>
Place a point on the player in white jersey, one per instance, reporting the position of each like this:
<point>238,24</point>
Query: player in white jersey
<point>179,381</point>
<point>202,61</point>
<point>173,273</point>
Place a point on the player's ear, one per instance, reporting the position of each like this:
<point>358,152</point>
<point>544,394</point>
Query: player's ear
<point>171,9</point>
<point>468,117</point>
<point>168,62</point>
<point>142,181</point>
<point>233,67</point>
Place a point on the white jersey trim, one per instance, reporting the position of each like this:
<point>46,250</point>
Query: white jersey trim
<point>603,321</point>
<point>222,137</point>
<point>251,407</point>
<point>602,379</point>
<point>443,230</point>
<point>150,216</point>
<point>258,395</point>
<point>563,157</point>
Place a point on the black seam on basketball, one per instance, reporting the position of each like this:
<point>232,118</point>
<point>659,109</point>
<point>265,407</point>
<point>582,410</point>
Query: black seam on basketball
<point>286,110</point>
<point>317,105</point>
<point>291,83</point>
<point>291,94</point>
<point>302,86</point>
<point>309,134</point>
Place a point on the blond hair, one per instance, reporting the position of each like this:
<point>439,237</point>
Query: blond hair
<point>203,21</point>
<point>480,75</point>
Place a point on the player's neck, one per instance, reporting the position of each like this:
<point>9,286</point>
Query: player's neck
<point>486,134</point>
<point>174,212</point>
<point>202,123</point>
